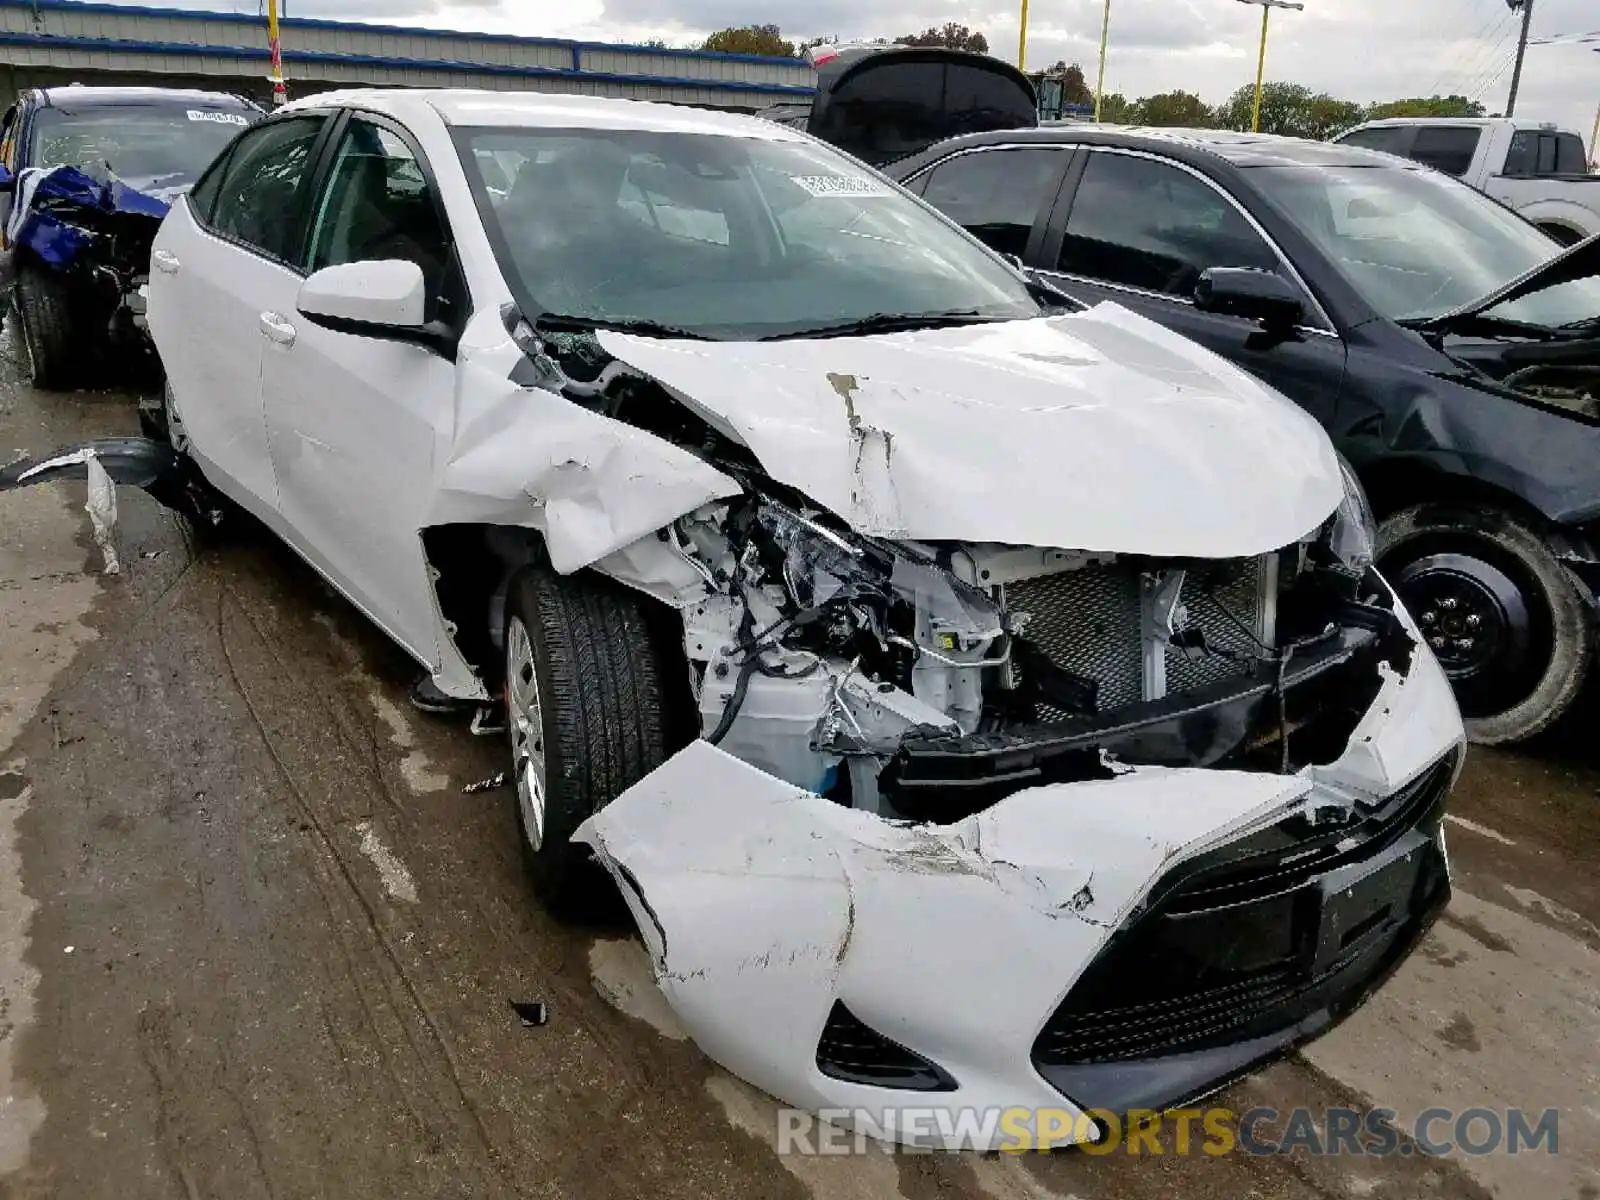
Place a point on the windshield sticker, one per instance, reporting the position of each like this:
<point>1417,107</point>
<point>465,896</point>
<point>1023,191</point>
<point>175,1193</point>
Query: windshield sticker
<point>841,185</point>
<point>221,118</point>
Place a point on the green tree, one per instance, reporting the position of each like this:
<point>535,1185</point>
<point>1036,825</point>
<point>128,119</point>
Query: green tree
<point>1074,87</point>
<point>952,36</point>
<point>750,39</point>
<point>1429,106</point>
<point>1174,109</point>
<point>1117,109</point>
<point>1290,109</point>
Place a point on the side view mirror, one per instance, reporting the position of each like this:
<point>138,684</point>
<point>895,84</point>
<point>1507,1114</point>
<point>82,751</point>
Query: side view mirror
<point>386,299</point>
<point>8,181</point>
<point>1263,296</point>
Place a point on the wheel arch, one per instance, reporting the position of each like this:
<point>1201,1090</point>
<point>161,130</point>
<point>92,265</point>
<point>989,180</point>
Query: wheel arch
<point>1397,483</point>
<point>472,564</point>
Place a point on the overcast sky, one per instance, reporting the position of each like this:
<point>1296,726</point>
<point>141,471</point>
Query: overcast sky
<point>1358,49</point>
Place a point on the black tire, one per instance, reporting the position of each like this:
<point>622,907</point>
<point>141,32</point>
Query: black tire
<point>602,688</point>
<point>1521,664</point>
<point>46,327</point>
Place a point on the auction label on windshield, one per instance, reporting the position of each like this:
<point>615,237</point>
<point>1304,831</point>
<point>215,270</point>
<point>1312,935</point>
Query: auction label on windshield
<point>221,118</point>
<point>841,185</point>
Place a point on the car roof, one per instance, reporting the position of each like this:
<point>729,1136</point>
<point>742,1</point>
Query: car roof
<point>546,110</point>
<point>1239,149</point>
<point>70,96</point>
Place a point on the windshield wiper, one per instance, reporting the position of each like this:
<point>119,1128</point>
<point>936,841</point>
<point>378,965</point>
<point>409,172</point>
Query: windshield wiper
<point>887,323</point>
<point>564,323</point>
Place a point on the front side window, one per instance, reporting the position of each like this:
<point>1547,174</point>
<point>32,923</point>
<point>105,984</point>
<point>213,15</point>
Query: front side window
<point>259,197</point>
<point>1447,148</point>
<point>151,147</point>
<point>1144,224</point>
<point>1417,245</point>
<point>725,237</point>
<point>996,194</point>
<point>377,205</point>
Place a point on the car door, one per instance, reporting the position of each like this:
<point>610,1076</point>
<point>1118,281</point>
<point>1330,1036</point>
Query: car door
<point>1001,194</point>
<point>355,422</point>
<point>1137,229</point>
<point>224,256</point>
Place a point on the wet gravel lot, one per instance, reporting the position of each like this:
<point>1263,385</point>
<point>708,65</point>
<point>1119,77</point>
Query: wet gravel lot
<point>256,942</point>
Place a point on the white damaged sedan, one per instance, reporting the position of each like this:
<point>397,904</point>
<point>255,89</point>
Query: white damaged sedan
<point>980,701</point>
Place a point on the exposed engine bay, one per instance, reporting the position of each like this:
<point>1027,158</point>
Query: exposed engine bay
<point>927,679</point>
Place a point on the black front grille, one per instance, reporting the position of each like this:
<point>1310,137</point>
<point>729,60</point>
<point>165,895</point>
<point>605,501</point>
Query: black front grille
<point>1234,945</point>
<point>852,1051</point>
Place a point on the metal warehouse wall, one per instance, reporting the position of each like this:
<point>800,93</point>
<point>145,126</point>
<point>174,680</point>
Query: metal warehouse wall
<point>48,41</point>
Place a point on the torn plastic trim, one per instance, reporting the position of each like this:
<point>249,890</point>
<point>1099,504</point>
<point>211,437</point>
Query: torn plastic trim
<point>168,476</point>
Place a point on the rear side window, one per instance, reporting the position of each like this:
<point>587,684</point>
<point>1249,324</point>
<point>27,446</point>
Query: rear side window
<point>1537,152</point>
<point>260,193</point>
<point>996,194</point>
<point>1391,139</point>
<point>1447,148</point>
<point>894,109</point>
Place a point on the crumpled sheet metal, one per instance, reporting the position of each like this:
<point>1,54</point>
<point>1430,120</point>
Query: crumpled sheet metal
<point>56,241</point>
<point>1110,433</point>
<point>761,904</point>
<point>529,457</point>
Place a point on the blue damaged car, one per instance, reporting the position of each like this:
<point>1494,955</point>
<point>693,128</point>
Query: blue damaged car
<point>86,176</point>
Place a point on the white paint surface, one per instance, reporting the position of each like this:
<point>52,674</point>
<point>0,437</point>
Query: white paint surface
<point>397,881</point>
<point>620,970</point>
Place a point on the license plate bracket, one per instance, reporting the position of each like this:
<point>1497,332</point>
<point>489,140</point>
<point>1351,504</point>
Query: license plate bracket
<point>1365,901</point>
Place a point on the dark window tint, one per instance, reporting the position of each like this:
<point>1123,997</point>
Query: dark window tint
<point>1147,225</point>
<point>1535,152</point>
<point>892,109</point>
<point>1570,158</point>
<point>995,193</point>
<point>1447,148</point>
<point>1391,139</point>
<point>258,200</point>
<point>378,205</point>
<point>203,197</point>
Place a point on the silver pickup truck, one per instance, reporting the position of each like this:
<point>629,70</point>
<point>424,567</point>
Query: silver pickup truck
<point>1538,169</point>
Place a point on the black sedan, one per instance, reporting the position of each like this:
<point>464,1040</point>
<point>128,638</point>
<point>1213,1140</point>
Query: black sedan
<point>1450,348</point>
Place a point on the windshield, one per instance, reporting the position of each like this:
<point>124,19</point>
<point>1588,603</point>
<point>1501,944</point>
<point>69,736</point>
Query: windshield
<point>725,237</point>
<point>143,145</point>
<point>1417,244</point>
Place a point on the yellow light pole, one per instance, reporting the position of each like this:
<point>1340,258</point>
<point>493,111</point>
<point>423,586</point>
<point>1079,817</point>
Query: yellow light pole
<point>280,90</point>
<point>1594,141</point>
<point>1100,83</point>
<point>1022,40</point>
<point>1261,62</point>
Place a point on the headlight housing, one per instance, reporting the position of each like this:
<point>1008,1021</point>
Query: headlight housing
<point>1352,537</point>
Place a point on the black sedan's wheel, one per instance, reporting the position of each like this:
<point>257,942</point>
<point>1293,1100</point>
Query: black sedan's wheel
<point>46,330</point>
<point>585,692</point>
<point>1501,615</point>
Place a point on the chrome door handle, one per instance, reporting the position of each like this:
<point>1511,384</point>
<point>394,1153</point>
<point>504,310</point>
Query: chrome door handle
<point>277,329</point>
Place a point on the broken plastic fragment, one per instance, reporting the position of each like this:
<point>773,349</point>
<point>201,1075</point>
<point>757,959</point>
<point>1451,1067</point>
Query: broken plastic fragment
<point>491,784</point>
<point>101,505</point>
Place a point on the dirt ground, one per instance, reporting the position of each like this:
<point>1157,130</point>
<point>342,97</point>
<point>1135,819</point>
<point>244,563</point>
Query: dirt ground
<point>256,942</point>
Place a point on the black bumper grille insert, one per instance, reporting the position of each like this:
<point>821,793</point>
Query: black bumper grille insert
<point>856,1053</point>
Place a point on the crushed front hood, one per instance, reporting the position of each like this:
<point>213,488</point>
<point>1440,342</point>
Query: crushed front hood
<point>1095,431</point>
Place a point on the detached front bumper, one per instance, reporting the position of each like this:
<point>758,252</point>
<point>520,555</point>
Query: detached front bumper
<point>1117,943</point>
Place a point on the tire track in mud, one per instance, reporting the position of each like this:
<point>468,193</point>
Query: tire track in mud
<point>339,890</point>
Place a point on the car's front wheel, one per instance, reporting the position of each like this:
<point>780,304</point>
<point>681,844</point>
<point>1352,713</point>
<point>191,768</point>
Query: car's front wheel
<point>1503,617</point>
<point>46,330</point>
<point>586,695</point>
